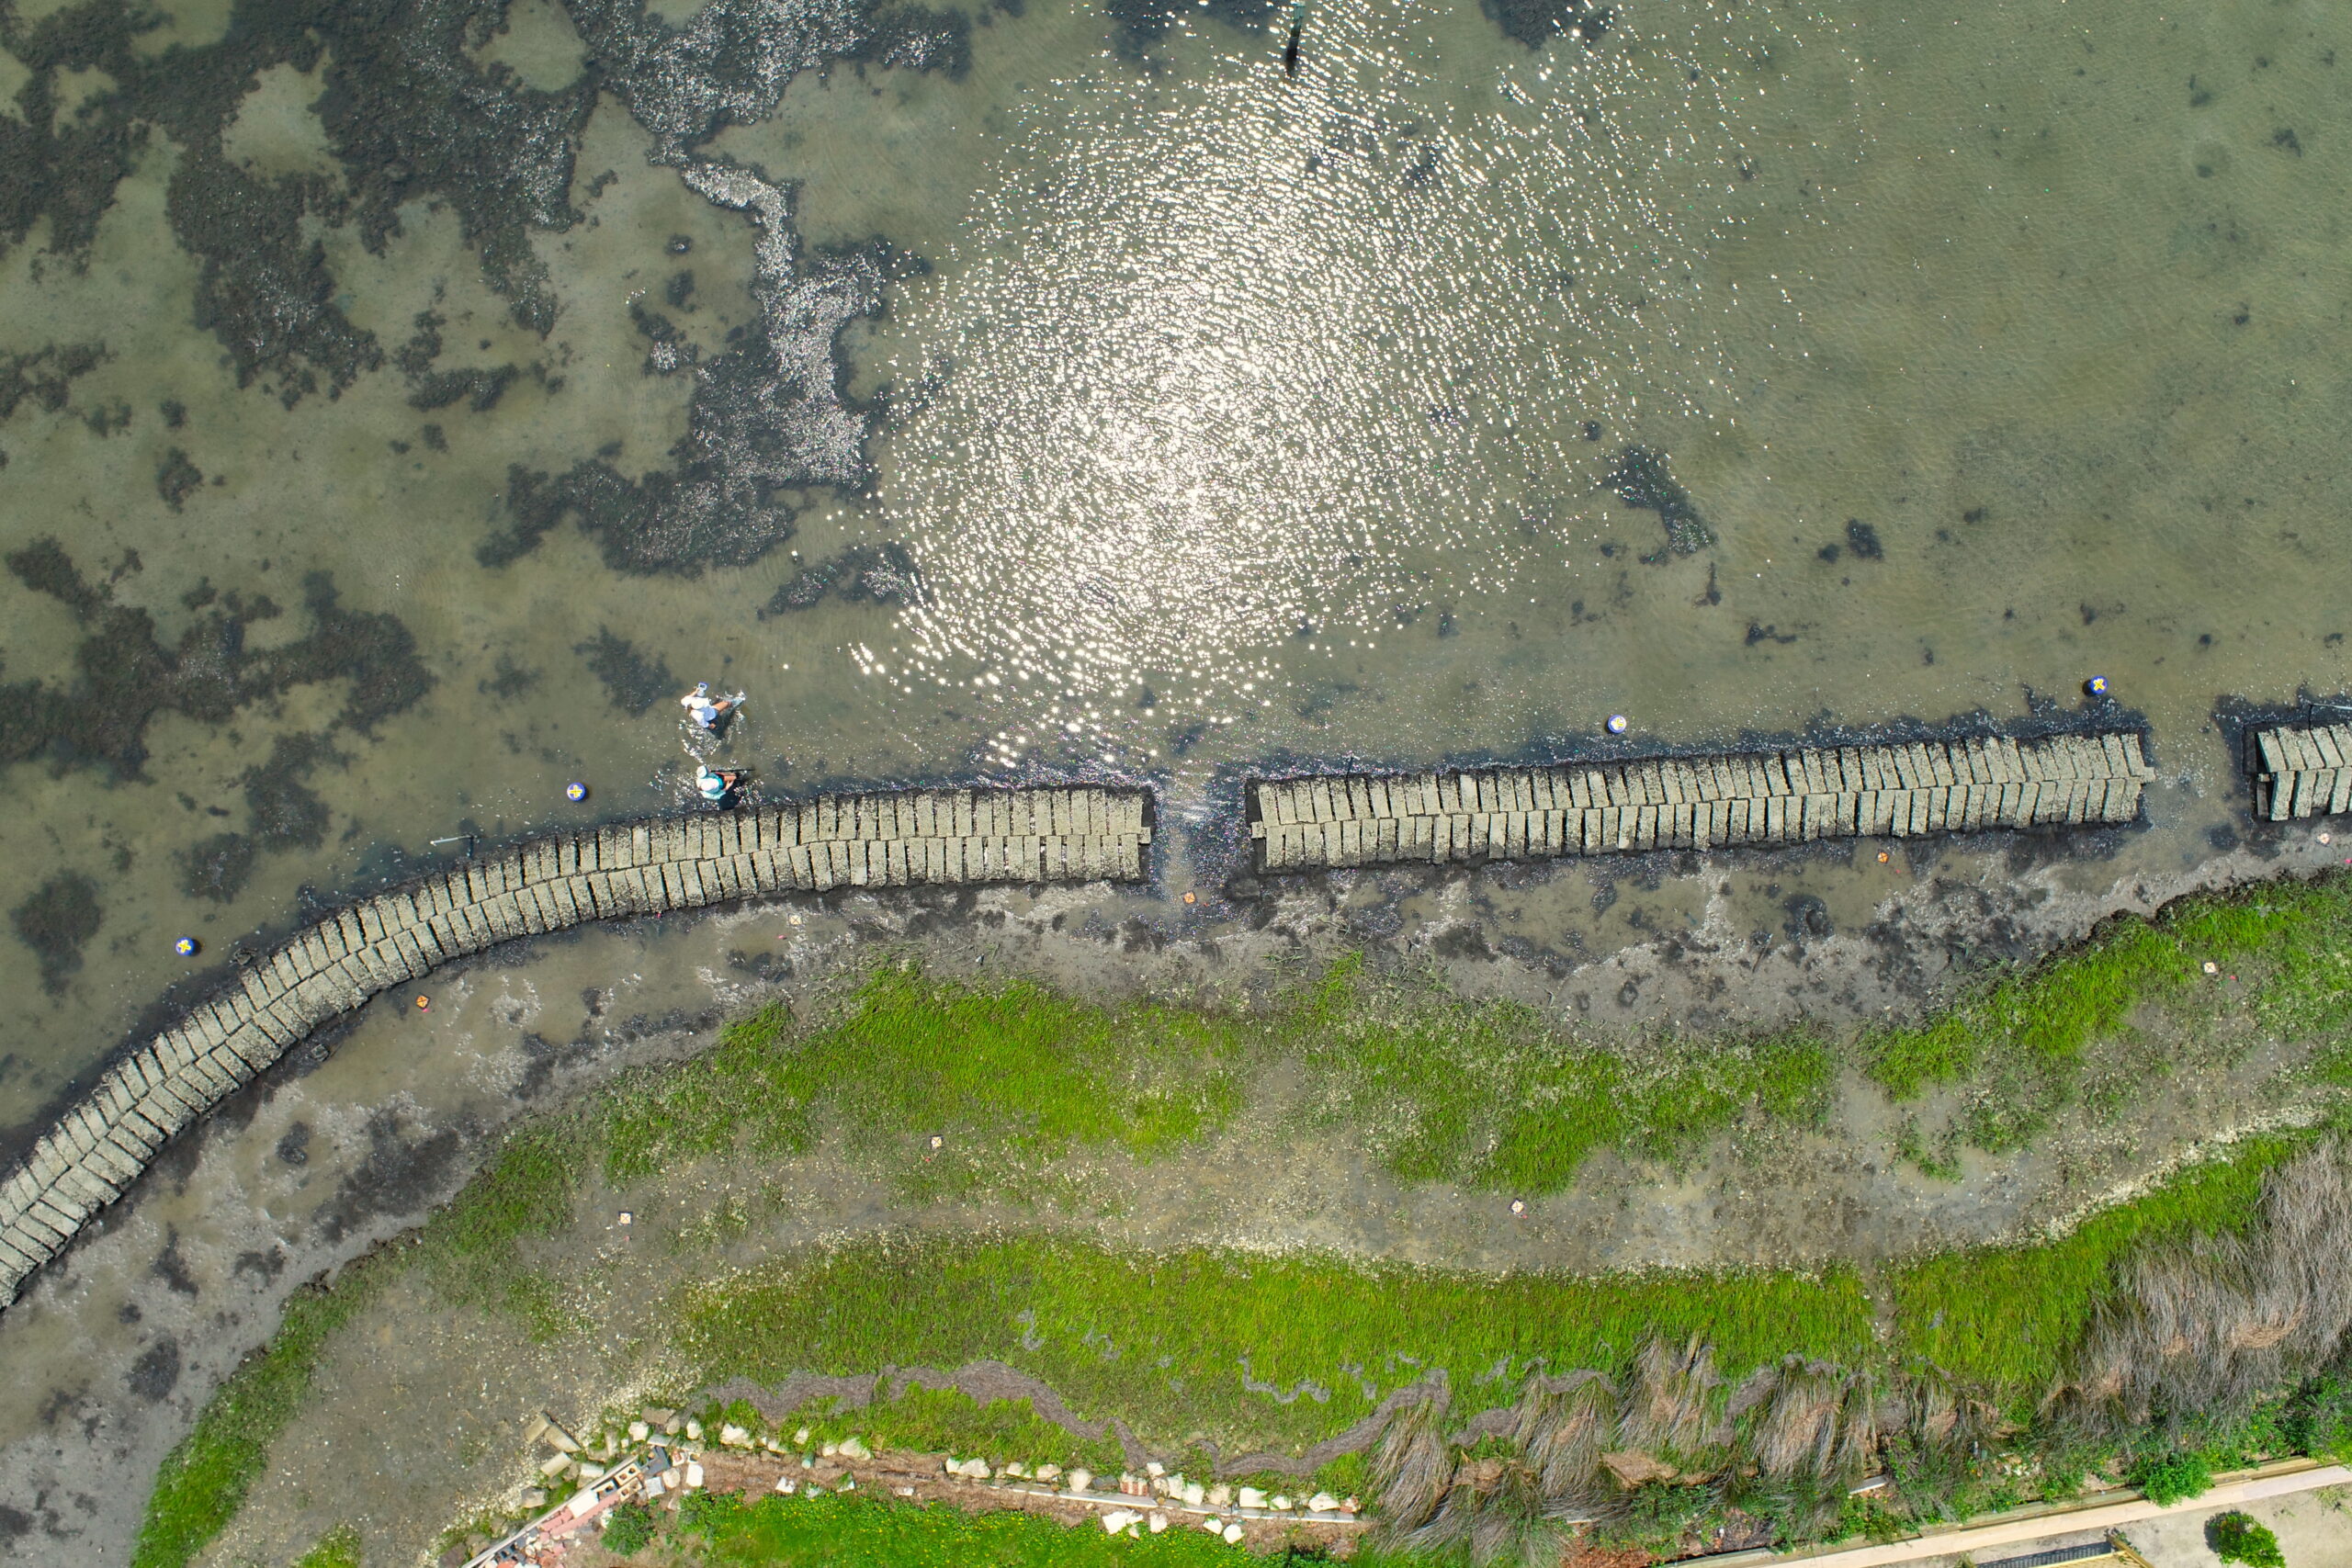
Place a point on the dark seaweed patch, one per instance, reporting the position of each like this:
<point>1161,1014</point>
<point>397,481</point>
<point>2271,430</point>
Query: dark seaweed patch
<point>1143,23</point>
<point>1863,540</point>
<point>1537,22</point>
<point>509,681</point>
<point>1640,480</point>
<point>755,427</point>
<point>126,677</point>
<point>412,119</point>
<point>285,813</point>
<point>176,478</point>
<point>883,574</point>
<point>62,915</point>
<point>46,375</point>
<point>634,681</point>
<point>216,868</point>
<point>157,1371</point>
<point>478,387</point>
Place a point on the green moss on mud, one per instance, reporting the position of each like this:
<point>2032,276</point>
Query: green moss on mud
<point>2001,1319</point>
<point>1251,1350</point>
<point>2282,956</point>
<point>204,1481</point>
<point>1195,1345</point>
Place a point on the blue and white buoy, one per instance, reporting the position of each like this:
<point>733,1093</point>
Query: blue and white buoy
<point>575,791</point>
<point>1616,724</point>
<point>2095,685</point>
<point>186,947</point>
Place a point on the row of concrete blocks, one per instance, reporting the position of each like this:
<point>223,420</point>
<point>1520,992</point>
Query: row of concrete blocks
<point>100,1146</point>
<point>2301,771</point>
<point>1697,803</point>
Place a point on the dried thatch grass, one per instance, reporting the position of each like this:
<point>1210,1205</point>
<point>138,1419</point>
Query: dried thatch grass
<point>1797,1433</point>
<point>1494,1513</point>
<point>1670,1410</point>
<point>1562,1433</point>
<point>1414,1467</point>
<point>2206,1327</point>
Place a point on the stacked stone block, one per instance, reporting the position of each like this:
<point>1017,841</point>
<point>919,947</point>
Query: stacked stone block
<point>2302,771</point>
<point>1902,790</point>
<point>895,839</point>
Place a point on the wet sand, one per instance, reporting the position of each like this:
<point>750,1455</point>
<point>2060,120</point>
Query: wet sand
<point>356,1137</point>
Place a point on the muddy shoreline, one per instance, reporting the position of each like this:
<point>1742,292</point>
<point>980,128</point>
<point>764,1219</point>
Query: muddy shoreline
<point>357,1136</point>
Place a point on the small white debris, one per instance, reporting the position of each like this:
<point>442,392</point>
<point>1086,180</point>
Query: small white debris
<point>1049,1472</point>
<point>654,1484</point>
<point>952,1465</point>
<point>1081,1479</point>
<point>693,1431</point>
<point>1213,1524</point>
<point>786,1485</point>
<point>904,1491</point>
<point>851,1449</point>
<point>976,1469</point>
<point>1194,1493</point>
<point>830,1450</point>
<point>1118,1519</point>
<point>1155,1469</point>
<point>1233,1535</point>
<point>1252,1498</point>
<point>591,1472</point>
<point>639,1431</point>
<point>1323,1503</point>
<point>1280,1502</point>
<point>734,1436</point>
<point>1159,1522</point>
<point>694,1474</point>
<point>849,1483</point>
<point>800,1438</point>
<point>535,1496</point>
<point>1219,1496</point>
<point>1018,1471</point>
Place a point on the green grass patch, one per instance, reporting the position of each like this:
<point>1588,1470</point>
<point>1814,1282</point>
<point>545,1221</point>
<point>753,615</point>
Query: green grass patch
<point>1249,1350</point>
<point>948,1420</point>
<point>1009,1077</point>
<point>203,1481</point>
<point>836,1531</point>
<point>339,1548</point>
<point>1491,1094</point>
<point>2020,1040</point>
<point>2003,1318</point>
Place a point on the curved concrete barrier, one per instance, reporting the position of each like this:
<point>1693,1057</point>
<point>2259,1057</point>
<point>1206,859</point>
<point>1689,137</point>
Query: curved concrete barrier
<point>1900,790</point>
<point>100,1146</point>
<point>2300,770</point>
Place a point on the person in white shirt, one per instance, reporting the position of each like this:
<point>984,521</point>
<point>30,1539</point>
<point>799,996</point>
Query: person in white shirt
<point>708,712</point>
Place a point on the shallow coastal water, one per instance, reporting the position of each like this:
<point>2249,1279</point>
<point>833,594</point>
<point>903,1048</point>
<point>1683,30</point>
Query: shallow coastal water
<point>1218,417</point>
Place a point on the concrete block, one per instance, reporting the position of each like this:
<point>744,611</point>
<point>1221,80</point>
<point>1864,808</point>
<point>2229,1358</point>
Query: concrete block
<point>84,1180</point>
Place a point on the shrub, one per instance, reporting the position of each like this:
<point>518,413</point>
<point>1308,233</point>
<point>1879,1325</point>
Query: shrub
<point>709,1514</point>
<point>2171,1478</point>
<point>2235,1537</point>
<point>2319,1418</point>
<point>629,1530</point>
